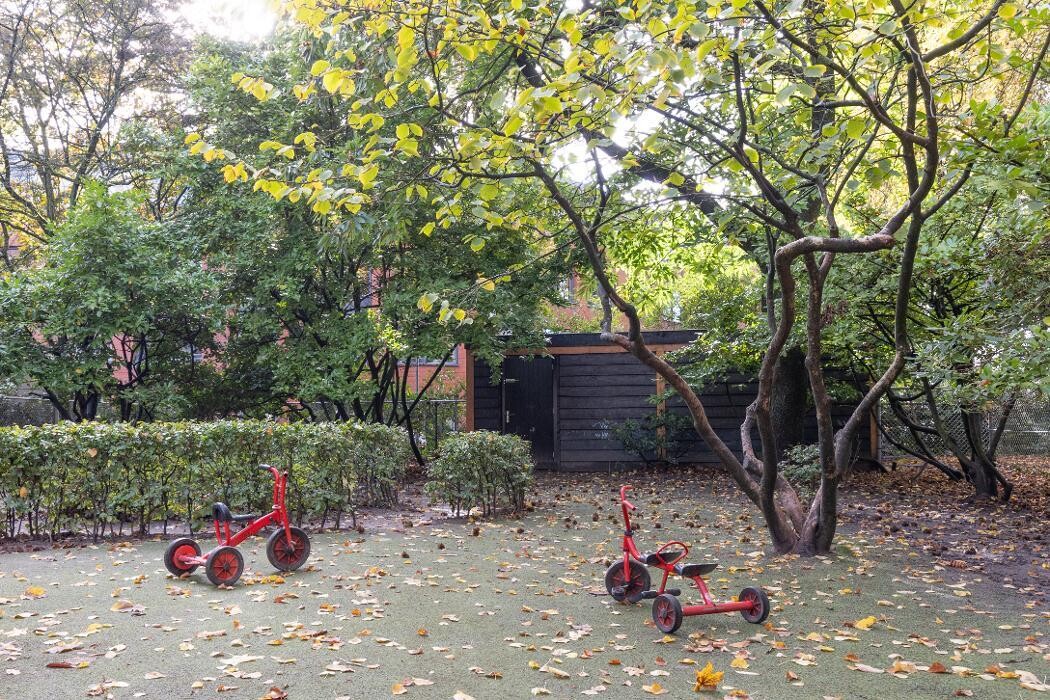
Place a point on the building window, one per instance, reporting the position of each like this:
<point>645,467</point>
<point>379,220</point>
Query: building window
<point>195,353</point>
<point>453,360</point>
<point>567,289</point>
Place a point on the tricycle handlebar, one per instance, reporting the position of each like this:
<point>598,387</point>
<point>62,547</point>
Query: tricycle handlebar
<point>623,497</point>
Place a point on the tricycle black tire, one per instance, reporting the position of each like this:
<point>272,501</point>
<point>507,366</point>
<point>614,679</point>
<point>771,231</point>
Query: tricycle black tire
<point>171,563</point>
<point>760,611</point>
<point>283,557</point>
<point>667,613</point>
<point>225,566</point>
<point>633,587</point>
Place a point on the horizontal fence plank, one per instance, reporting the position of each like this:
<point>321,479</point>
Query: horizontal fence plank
<point>600,359</point>
<point>622,379</point>
<point>600,391</point>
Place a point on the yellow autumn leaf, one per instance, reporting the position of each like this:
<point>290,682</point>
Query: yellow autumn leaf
<point>398,689</point>
<point>35,592</point>
<point>23,492</point>
<point>739,662</point>
<point>654,689</point>
<point>865,623</point>
<point>707,678</point>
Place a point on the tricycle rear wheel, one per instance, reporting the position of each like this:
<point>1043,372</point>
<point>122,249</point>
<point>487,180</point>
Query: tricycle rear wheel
<point>627,587</point>
<point>287,556</point>
<point>182,547</point>
<point>225,566</point>
<point>667,613</point>
<point>760,608</point>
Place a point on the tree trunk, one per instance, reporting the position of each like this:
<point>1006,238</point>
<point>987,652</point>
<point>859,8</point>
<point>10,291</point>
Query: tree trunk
<point>979,465</point>
<point>789,402</point>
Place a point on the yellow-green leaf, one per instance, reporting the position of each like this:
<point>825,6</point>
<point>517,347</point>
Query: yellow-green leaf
<point>512,126</point>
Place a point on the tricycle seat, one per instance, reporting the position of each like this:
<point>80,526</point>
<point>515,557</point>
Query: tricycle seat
<point>220,512</point>
<point>662,558</point>
<point>693,570</point>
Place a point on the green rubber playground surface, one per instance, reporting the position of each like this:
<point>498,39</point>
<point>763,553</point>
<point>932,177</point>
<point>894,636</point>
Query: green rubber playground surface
<point>516,608</point>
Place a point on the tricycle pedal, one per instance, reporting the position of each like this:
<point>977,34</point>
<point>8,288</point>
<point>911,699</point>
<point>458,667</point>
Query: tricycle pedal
<point>674,591</point>
<point>648,595</point>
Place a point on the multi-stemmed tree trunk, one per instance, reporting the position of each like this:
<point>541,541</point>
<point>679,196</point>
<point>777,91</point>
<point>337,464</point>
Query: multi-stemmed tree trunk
<point>931,438</point>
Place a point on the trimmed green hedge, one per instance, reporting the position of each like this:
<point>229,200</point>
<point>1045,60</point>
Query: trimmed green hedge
<point>481,470</point>
<point>101,477</point>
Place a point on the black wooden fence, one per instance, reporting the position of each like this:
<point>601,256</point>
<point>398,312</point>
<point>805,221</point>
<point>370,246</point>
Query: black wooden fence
<point>568,401</point>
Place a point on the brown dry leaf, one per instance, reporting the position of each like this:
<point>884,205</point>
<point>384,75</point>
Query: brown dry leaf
<point>398,689</point>
<point>938,667</point>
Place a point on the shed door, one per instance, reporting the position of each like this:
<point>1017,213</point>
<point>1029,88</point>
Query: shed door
<point>528,404</point>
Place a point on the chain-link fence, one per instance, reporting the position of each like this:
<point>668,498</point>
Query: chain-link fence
<point>1027,430</point>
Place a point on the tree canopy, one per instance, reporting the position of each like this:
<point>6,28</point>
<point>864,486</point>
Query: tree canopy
<point>800,131</point>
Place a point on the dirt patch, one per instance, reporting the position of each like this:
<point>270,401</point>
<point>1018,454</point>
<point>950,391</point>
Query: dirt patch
<point>1007,542</point>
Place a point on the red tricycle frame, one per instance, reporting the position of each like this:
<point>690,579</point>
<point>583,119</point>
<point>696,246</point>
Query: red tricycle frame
<point>629,580</point>
<point>287,548</point>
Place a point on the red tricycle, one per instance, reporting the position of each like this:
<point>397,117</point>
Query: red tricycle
<point>287,549</point>
<point>629,580</point>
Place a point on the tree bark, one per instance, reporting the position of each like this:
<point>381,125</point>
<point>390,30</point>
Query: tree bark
<point>789,403</point>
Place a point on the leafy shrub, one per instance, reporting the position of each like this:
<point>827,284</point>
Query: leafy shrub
<point>481,469</point>
<point>657,438</point>
<point>801,466</point>
<point>99,477</point>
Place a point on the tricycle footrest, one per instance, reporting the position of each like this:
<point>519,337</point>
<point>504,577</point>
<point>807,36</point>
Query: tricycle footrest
<point>648,595</point>
<point>674,591</point>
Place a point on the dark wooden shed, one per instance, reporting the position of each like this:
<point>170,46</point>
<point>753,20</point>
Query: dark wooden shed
<point>565,398</point>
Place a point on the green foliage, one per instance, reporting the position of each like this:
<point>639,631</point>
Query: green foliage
<point>307,288</point>
<point>801,466</point>
<point>101,476</point>
<point>657,438</point>
<point>481,469</point>
<point>111,313</point>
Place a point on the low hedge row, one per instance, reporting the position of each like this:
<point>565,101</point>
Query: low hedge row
<point>102,477</point>
<point>481,470</point>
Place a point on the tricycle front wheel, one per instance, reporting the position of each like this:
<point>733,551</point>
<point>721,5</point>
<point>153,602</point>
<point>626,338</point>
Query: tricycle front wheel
<point>629,585</point>
<point>667,613</point>
<point>176,552</point>
<point>285,555</point>
<point>759,610</point>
